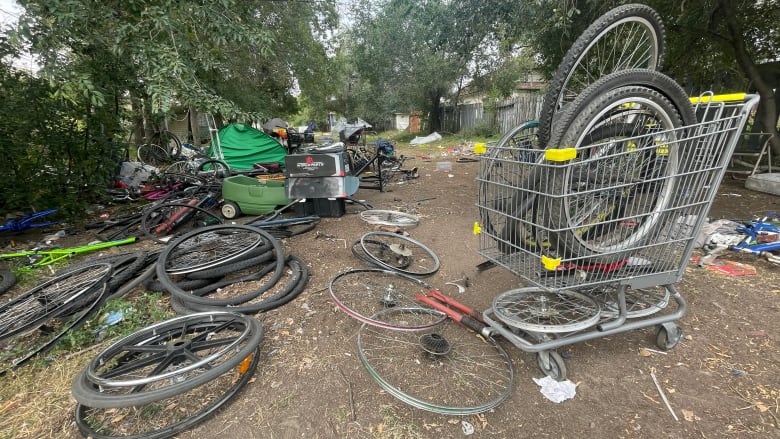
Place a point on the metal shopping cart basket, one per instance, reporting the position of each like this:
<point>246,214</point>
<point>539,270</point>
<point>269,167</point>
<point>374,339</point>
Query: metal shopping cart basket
<point>602,231</point>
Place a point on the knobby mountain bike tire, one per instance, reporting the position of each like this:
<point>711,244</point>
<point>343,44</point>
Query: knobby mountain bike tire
<point>628,174</point>
<point>628,36</point>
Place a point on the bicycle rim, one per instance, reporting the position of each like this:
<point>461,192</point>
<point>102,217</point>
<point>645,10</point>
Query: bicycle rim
<point>389,218</point>
<point>640,302</point>
<point>156,420</point>
<point>167,359</point>
<point>400,253</point>
<point>51,298</point>
<point>208,247</point>
<point>539,310</point>
<point>363,294</point>
<point>446,369</point>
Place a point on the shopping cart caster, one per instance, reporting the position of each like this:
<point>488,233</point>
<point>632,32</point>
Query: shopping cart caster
<point>667,335</point>
<point>551,363</point>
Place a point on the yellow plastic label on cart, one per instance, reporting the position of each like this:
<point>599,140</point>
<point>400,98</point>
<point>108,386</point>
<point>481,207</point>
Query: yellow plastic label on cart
<point>560,154</point>
<point>480,148</point>
<point>550,264</point>
<point>477,229</point>
<point>728,97</point>
<point>661,148</point>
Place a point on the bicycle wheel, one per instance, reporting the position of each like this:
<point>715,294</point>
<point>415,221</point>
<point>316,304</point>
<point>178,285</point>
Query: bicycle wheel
<point>445,369</point>
<point>400,253</point>
<point>51,298</point>
<point>389,218</point>
<point>628,36</point>
<point>166,359</point>
<point>620,185</point>
<point>539,310</point>
<point>28,346</point>
<point>207,247</point>
<point>641,302</point>
<point>156,420</point>
<point>364,293</point>
<point>214,168</point>
<point>154,155</point>
<point>169,141</point>
<point>506,189</point>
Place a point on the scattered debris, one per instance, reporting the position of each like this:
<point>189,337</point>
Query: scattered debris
<point>556,391</point>
<point>663,395</point>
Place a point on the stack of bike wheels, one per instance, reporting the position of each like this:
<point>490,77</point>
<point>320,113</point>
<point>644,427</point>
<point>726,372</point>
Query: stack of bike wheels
<point>35,321</point>
<point>236,267</point>
<point>167,377</point>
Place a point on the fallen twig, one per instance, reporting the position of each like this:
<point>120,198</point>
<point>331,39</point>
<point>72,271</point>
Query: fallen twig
<point>663,395</point>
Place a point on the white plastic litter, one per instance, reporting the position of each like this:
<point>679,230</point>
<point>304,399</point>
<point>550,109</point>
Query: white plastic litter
<point>427,139</point>
<point>556,391</point>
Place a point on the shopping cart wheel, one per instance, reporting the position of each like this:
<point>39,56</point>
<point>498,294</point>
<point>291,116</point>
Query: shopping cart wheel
<point>551,363</point>
<point>667,335</point>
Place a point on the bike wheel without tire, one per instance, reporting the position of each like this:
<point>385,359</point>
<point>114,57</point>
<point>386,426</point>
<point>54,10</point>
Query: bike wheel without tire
<point>538,310</point>
<point>389,218</point>
<point>445,369</point>
<point>364,293</point>
<point>640,302</point>
<point>166,359</point>
<point>400,253</point>
<point>629,36</point>
<point>156,420</point>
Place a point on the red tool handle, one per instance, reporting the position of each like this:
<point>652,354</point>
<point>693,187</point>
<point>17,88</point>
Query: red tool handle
<point>451,313</point>
<point>441,297</point>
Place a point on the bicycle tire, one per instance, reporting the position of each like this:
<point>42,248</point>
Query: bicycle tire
<point>50,298</point>
<point>363,293</point>
<point>571,207</point>
<point>208,247</point>
<point>298,278</point>
<point>99,423</point>
<point>605,29</point>
<point>169,141</point>
<point>153,155</point>
<point>7,280</point>
<point>123,267</point>
<point>445,369</point>
<point>508,180</point>
<point>166,359</point>
<point>221,168</point>
<point>405,254</point>
<point>539,310</point>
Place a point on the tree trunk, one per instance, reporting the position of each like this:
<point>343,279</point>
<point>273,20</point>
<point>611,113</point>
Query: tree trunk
<point>769,114</point>
<point>435,112</point>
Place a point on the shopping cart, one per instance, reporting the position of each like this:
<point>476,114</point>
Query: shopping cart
<point>600,233</point>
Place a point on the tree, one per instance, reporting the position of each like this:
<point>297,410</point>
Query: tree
<point>417,54</point>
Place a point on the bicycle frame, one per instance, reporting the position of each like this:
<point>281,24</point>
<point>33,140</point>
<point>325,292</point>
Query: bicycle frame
<point>28,222</point>
<point>760,237</point>
<point>41,257</point>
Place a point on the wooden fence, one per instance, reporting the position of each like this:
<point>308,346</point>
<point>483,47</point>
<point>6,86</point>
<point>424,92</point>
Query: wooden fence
<point>508,114</point>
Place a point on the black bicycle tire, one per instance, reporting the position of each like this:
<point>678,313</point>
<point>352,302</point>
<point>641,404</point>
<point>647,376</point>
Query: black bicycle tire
<point>7,280</point>
<point>197,234</point>
<point>164,139</point>
<point>75,320</point>
<point>651,79</point>
<point>173,429</point>
<point>279,265</point>
<point>124,267</point>
<point>222,163</point>
<point>579,49</point>
<point>295,286</point>
<point>88,393</point>
<point>566,242</point>
<point>254,257</point>
<point>153,155</point>
<point>21,327</point>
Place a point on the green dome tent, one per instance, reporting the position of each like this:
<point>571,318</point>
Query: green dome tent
<point>243,146</point>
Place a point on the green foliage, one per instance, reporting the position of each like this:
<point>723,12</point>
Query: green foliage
<point>57,154</point>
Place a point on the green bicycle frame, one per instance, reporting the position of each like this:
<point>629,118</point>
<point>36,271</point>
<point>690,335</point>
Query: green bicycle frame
<point>39,258</point>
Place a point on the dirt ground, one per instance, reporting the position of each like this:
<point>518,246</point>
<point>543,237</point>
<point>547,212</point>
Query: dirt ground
<point>721,380</point>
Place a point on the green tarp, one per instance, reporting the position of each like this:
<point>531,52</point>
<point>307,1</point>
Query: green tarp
<point>243,146</point>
